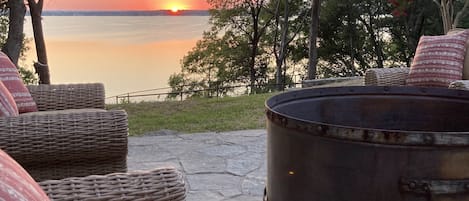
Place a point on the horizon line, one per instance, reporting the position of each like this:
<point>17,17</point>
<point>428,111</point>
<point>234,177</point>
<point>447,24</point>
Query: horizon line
<point>124,13</point>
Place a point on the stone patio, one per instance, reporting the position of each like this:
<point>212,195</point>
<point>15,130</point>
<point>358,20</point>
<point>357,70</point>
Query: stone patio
<point>228,166</point>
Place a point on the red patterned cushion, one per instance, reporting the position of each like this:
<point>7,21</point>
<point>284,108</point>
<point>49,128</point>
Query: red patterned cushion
<point>438,60</point>
<point>11,79</point>
<point>15,182</point>
<point>465,71</point>
<point>7,103</point>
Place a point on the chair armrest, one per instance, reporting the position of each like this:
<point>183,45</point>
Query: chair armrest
<point>386,76</point>
<point>460,84</point>
<point>68,96</point>
<point>159,184</point>
<point>40,139</point>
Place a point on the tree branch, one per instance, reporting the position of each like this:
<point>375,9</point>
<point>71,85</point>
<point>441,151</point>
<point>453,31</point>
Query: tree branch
<point>461,14</point>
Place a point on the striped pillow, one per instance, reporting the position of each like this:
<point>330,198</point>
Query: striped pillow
<point>465,71</point>
<point>438,60</point>
<point>12,80</point>
<point>16,183</point>
<point>7,103</point>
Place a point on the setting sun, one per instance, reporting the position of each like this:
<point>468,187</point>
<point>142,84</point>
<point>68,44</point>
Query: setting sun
<point>174,9</point>
<point>175,6</point>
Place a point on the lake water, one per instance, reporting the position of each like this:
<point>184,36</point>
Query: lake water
<point>126,53</point>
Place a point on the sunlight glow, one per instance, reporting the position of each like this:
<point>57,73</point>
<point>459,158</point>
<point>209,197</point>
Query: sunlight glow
<point>175,7</point>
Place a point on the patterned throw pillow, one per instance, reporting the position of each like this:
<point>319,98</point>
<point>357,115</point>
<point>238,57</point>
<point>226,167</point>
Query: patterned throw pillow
<point>7,103</point>
<point>16,183</point>
<point>438,60</point>
<point>465,71</point>
<point>12,80</point>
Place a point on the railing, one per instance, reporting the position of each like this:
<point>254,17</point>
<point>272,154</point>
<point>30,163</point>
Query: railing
<point>163,94</point>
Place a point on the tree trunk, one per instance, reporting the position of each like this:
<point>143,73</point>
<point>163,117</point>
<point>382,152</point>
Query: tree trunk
<point>313,35</point>
<point>14,43</point>
<point>41,66</point>
<point>252,65</point>
<point>461,14</point>
<point>280,78</point>
<point>255,11</point>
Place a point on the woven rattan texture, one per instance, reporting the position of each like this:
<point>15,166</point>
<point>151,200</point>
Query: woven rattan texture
<point>68,96</point>
<point>386,76</point>
<point>163,184</point>
<point>41,140</point>
<point>76,168</point>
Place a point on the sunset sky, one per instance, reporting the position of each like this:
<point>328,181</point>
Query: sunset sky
<point>125,4</point>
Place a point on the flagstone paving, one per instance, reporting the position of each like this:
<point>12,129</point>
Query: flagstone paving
<point>227,166</point>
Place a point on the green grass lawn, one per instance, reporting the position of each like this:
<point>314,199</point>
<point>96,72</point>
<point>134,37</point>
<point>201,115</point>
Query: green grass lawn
<point>197,115</point>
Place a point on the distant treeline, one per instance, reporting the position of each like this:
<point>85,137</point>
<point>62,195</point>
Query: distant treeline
<point>127,13</point>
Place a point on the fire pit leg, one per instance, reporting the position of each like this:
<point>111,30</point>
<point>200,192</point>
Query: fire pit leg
<point>265,195</point>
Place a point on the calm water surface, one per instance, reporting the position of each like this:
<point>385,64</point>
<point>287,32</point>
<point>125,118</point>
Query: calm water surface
<point>125,53</point>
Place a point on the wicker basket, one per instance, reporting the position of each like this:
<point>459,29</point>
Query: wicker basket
<point>386,76</point>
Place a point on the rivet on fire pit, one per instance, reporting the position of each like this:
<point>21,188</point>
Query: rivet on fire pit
<point>428,139</point>
<point>412,185</point>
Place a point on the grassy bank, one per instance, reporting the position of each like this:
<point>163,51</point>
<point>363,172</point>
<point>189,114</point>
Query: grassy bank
<point>197,115</point>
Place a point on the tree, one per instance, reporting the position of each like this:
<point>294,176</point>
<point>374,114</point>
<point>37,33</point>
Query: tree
<point>447,12</point>
<point>452,12</point>
<point>355,35</point>
<point>344,47</point>
<point>41,66</point>
<point>214,64</point>
<point>230,53</point>
<point>245,19</point>
<point>12,39</point>
<point>461,19</point>
<point>14,42</point>
<point>289,20</point>
<point>410,21</point>
<point>313,36</point>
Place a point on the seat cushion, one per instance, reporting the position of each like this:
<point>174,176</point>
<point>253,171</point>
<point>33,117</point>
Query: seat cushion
<point>11,78</point>
<point>438,60</point>
<point>16,183</point>
<point>7,103</point>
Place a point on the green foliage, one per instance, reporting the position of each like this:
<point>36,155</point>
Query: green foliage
<point>223,57</point>
<point>26,72</point>
<point>422,18</point>
<point>213,65</point>
<point>28,76</point>
<point>458,5</point>
<point>354,35</point>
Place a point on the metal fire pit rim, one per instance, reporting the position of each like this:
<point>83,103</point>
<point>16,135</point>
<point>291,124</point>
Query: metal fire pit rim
<point>368,135</point>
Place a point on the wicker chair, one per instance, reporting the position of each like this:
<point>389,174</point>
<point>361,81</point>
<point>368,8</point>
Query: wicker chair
<point>398,76</point>
<point>68,140</point>
<point>162,184</point>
